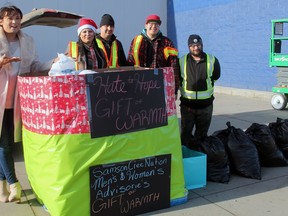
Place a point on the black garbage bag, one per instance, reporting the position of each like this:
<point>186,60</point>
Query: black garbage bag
<point>223,135</point>
<point>269,153</point>
<point>279,130</point>
<point>242,152</point>
<point>218,169</point>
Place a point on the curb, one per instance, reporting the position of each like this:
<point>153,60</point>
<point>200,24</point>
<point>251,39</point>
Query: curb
<point>263,95</point>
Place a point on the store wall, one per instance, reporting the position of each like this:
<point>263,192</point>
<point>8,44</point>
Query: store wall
<point>235,31</point>
<point>129,16</point>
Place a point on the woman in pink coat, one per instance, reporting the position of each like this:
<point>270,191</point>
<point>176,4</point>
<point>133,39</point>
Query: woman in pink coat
<point>17,56</point>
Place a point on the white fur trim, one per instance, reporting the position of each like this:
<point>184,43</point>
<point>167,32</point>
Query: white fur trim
<point>85,26</point>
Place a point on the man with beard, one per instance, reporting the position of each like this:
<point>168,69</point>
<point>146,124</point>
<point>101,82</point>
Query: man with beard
<point>198,72</point>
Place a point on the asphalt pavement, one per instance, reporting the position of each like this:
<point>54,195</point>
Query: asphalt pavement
<point>241,196</point>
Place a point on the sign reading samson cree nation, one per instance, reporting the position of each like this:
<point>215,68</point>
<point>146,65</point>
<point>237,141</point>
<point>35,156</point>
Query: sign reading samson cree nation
<point>131,187</point>
<point>127,101</point>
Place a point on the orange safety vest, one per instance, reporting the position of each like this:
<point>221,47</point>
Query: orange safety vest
<point>136,44</point>
<point>168,51</point>
<point>112,62</point>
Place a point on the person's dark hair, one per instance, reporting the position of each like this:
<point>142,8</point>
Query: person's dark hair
<point>10,11</point>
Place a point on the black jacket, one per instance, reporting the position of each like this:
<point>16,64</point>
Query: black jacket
<point>107,44</point>
<point>197,80</point>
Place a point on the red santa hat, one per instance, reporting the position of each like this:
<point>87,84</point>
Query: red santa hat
<point>86,23</point>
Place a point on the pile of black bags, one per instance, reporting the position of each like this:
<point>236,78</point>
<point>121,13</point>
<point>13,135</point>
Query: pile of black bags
<point>234,150</point>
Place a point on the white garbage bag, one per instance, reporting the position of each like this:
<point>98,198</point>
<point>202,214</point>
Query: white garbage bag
<point>65,65</point>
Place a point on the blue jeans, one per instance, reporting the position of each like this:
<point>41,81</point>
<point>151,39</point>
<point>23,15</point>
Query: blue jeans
<point>7,169</point>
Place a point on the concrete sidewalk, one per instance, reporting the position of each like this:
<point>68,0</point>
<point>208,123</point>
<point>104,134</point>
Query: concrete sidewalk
<point>241,196</point>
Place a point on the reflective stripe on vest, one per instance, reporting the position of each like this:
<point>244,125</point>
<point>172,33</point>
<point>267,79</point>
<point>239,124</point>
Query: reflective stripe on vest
<point>170,51</point>
<point>136,45</point>
<point>112,62</point>
<point>199,94</point>
<point>73,52</point>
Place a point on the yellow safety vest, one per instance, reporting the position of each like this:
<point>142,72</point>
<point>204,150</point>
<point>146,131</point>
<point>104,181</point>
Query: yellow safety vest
<point>112,62</point>
<point>73,52</point>
<point>168,51</point>
<point>199,94</point>
<point>136,44</point>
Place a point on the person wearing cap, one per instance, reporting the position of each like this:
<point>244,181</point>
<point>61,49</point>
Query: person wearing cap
<point>152,49</point>
<point>198,72</point>
<point>110,47</point>
<point>85,51</point>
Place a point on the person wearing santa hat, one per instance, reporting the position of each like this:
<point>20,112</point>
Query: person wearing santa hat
<point>152,49</point>
<point>110,47</point>
<point>86,52</point>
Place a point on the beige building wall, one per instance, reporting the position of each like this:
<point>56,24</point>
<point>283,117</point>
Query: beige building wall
<point>129,16</point>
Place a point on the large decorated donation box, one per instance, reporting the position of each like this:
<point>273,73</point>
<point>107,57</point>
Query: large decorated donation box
<point>103,143</point>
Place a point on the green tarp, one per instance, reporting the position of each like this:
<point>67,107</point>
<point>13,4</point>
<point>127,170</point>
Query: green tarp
<point>58,165</point>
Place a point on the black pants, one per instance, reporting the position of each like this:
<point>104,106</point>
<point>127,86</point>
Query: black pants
<point>200,118</point>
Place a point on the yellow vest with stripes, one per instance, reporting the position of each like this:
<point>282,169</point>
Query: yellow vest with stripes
<point>73,52</point>
<point>168,51</point>
<point>112,61</point>
<point>199,94</point>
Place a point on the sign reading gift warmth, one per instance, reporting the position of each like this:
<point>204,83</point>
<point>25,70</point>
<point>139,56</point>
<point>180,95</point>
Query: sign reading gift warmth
<point>127,101</point>
<point>130,187</point>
